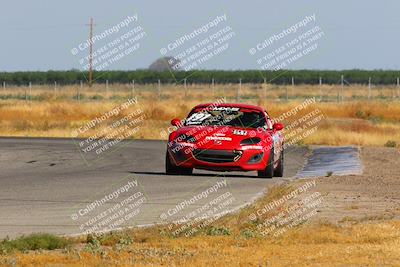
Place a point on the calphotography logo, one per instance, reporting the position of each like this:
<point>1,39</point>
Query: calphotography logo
<point>200,210</point>
<point>104,134</point>
<point>196,48</point>
<point>111,45</point>
<point>284,48</point>
<point>115,209</point>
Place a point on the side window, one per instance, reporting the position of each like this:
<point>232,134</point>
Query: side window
<point>269,122</point>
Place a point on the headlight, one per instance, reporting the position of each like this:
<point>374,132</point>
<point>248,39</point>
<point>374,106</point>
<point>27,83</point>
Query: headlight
<point>250,141</point>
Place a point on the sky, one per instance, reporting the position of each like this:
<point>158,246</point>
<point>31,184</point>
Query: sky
<point>40,35</point>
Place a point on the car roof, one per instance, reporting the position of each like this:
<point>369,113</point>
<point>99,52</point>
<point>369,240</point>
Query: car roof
<point>246,106</point>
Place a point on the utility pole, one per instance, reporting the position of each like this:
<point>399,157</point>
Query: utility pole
<point>90,52</point>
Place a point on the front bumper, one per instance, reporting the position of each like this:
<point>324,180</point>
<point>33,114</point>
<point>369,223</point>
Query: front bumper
<point>246,158</point>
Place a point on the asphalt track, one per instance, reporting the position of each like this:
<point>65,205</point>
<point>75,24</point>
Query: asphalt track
<point>47,185</point>
<point>334,160</point>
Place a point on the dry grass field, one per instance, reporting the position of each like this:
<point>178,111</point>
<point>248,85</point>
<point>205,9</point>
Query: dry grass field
<point>48,112</point>
<point>330,238</point>
<point>323,245</point>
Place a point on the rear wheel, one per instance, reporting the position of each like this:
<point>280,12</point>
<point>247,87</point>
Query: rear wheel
<point>268,172</point>
<point>172,169</point>
<point>279,169</point>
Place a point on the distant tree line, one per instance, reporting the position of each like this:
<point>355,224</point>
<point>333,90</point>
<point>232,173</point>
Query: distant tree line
<point>204,76</point>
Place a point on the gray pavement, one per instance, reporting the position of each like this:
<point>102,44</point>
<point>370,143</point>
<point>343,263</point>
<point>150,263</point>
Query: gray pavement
<point>47,186</point>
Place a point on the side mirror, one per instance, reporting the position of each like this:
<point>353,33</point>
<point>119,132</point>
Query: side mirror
<point>278,126</point>
<point>176,122</point>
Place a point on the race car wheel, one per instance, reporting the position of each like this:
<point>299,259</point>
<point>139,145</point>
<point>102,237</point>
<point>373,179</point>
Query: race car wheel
<point>172,169</point>
<point>279,169</point>
<point>268,172</point>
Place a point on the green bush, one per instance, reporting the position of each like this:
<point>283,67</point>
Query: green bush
<point>248,233</point>
<point>391,143</point>
<point>360,114</point>
<point>96,97</point>
<point>33,242</point>
<point>93,245</point>
<point>215,231</point>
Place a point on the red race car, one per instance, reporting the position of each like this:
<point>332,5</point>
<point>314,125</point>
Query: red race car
<point>226,137</point>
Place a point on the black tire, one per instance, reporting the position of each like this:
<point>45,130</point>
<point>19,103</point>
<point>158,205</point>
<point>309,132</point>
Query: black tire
<point>279,169</point>
<point>268,172</point>
<point>169,167</point>
<point>172,169</point>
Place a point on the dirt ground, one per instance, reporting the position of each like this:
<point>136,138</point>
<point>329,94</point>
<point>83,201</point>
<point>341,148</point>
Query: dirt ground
<point>372,196</point>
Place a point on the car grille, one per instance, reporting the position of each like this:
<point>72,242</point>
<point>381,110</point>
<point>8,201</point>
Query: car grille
<point>217,156</point>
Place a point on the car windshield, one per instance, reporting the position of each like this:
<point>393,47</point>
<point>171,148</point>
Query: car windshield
<point>226,116</point>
